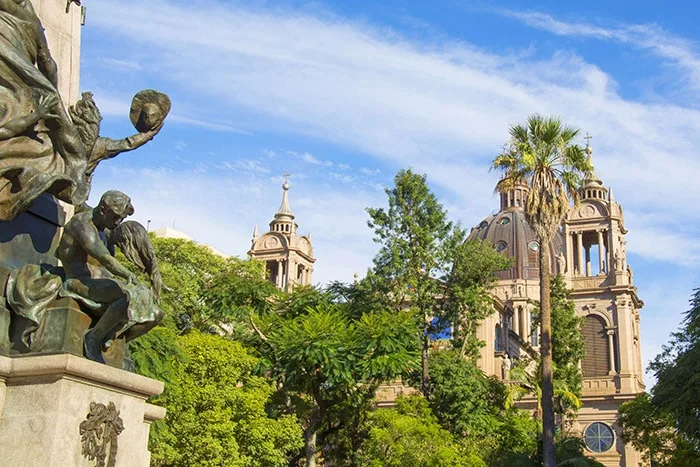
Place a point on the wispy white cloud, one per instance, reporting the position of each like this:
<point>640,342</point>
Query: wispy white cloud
<point>309,158</point>
<point>118,64</point>
<point>441,107</point>
<point>252,165</point>
<point>368,171</point>
<point>667,46</point>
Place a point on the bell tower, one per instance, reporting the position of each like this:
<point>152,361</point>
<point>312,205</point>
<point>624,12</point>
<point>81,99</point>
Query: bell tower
<point>288,257</point>
<point>595,267</point>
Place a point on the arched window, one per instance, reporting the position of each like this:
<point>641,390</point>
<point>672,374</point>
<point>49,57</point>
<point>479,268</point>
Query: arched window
<point>595,339</point>
<point>498,342</point>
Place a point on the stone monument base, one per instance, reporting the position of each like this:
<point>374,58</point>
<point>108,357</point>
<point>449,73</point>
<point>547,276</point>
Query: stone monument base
<point>59,410</point>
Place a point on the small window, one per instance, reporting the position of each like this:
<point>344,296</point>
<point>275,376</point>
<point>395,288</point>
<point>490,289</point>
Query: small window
<point>501,246</point>
<point>483,225</point>
<point>505,220</point>
<point>498,344</point>
<point>534,246</point>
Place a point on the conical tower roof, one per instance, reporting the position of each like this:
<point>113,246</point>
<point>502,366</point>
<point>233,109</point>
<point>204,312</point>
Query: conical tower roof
<point>592,186</point>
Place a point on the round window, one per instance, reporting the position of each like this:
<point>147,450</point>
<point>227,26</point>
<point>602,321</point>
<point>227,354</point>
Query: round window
<point>534,246</point>
<point>599,437</point>
<point>500,246</point>
<point>504,221</point>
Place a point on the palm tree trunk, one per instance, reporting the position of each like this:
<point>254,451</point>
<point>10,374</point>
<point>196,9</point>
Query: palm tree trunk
<point>550,457</point>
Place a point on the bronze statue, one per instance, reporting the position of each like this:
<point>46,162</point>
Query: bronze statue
<point>40,149</point>
<point>45,148</point>
<point>109,291</point>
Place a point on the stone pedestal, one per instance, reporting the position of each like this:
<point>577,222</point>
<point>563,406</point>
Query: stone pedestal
<point>44,399</point>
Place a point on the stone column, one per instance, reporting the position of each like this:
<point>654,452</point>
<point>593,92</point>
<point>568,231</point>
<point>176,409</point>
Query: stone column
<point>569,246</point>
<point>611,352</point>
<point>516,320</point>
<point>601,252</point>
<point>588,261</point>
<point>579,253</point>
<point>278,282</point>
<point>611,250</point>
<point>528,324</point>
<point>625,337</point>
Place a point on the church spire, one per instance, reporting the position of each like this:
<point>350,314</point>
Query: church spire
<point>284,209</point>
<point>592,184</point>
<point>284,218</point>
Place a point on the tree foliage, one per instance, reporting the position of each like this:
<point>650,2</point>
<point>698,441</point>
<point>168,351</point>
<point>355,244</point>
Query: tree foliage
<point>567,340</point>
<point>409,435</point>
<point>417,243</point>
<point>216,411</point>
<point>467,295</point>
<point>474,408</point>
<point>328,361</point>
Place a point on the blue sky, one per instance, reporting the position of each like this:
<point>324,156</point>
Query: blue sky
<point>344,94</point>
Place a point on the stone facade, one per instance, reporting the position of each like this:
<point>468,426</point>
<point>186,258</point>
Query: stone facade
<point>289,257</point>
<point>590,252</point>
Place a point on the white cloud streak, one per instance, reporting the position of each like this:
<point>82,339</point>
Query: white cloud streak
<point>681,52</point>
<point>443,109</point>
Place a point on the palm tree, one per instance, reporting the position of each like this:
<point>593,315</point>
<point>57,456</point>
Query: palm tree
<point>529,382</point>
<point>543,154</point>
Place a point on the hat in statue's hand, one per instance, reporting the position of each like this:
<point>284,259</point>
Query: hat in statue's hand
<point>149,109</point>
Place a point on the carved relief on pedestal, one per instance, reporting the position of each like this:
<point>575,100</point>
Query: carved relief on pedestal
<point>99,432</point>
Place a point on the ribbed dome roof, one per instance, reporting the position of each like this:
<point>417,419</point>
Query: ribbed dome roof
<point>509,232</point>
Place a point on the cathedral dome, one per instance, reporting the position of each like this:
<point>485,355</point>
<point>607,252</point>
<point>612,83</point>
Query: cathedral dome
<point>509,233</point>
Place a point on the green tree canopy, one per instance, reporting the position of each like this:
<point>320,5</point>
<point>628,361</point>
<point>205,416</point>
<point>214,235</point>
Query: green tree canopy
<point>473,407</point>
<point>216,411</point>
<point>416,252</point>
<point>329,361</point>
<point>410,436</point>
<point>467,295</point>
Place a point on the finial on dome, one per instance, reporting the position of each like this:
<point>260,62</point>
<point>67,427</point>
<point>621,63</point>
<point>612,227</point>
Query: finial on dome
<point>255,232</point>
<point>284,209</point>
<point>589,149</point>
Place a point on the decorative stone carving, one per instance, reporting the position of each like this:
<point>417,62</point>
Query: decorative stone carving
<point>271,242</point>
<point>505,367</point>
<point>99,433</point>
<point>618,261</point>
<point>561,263</point>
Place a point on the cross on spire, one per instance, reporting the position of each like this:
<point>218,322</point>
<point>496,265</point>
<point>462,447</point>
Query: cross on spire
<point>588,139</point>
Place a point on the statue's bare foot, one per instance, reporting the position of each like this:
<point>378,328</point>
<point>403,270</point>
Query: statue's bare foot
<point>93,347</point>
